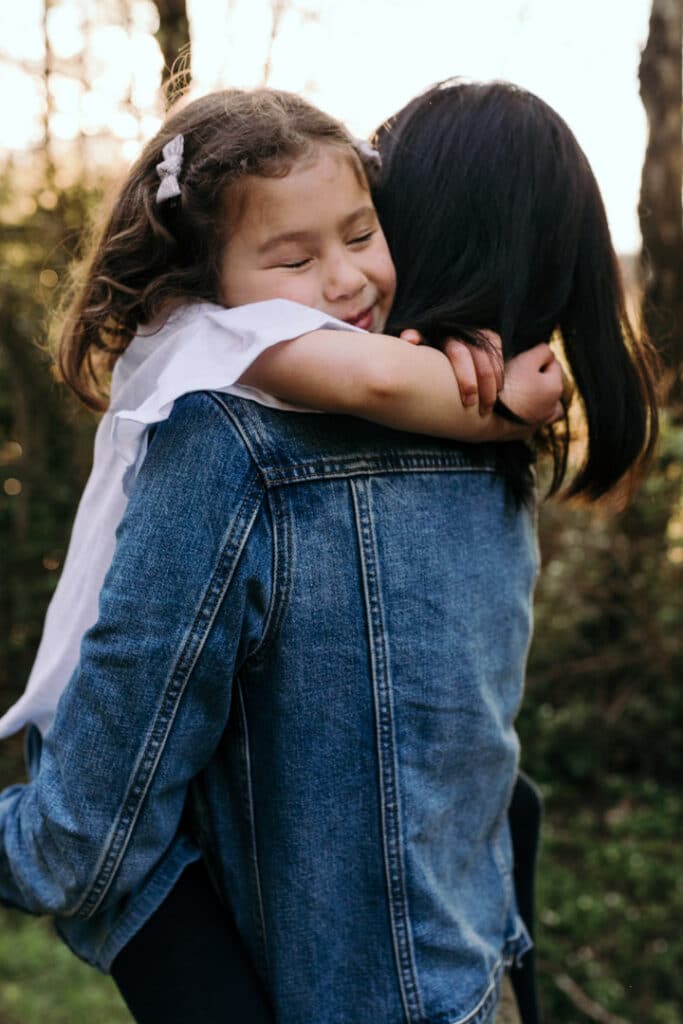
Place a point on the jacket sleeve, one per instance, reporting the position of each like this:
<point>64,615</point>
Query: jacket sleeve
<point>148,702</point>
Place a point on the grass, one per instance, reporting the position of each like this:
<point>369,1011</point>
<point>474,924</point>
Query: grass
<point>610,901</point>
<point>42,982</point>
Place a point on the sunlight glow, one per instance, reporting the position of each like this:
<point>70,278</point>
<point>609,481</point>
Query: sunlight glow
<point>359,60</point>
<point>64,30</point>
<point>362,61</point>
<point>20,118</point>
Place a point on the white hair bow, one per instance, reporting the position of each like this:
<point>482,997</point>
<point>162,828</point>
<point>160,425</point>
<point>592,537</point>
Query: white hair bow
<point>169,169</point>
<point>369,153</point>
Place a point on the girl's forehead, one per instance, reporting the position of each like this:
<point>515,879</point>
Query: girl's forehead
<point>325,156</point>
<point>323,186</point>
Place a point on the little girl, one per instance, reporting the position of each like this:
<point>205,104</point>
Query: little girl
<point>295,222</point>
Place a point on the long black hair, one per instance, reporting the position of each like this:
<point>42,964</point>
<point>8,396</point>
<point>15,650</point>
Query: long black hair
<point>495,220</point>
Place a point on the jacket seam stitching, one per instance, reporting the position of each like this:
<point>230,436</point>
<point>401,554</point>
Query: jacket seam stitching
<point>273,617</point>
<point>279,478</point>
<point>251,441</point>
<point>480,1013</point>
<point>281,578</point>
<point>386,752</point>
<point>152,751</point>
<point>311,470</point>
<point>260,915</point>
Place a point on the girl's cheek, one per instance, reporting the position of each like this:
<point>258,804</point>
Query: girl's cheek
<point>390,279</point>
<point>388,269</point>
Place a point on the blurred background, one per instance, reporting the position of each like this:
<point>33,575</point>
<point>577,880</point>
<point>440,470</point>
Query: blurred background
<point>83,84</point>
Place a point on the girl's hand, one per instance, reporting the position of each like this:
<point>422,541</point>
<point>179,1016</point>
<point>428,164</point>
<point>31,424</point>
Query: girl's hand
<point>534,386</point>
<point>478,371</point>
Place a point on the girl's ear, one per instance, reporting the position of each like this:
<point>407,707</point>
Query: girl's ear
<point>411,336</point>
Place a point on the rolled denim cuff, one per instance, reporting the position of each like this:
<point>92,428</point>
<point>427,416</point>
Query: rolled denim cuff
<point>99,940</point>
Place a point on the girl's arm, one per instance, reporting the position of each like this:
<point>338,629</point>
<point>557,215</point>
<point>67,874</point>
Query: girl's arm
<point>403,385</point>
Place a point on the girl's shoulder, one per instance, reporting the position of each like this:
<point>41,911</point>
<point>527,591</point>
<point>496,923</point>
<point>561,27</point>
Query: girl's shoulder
<point>199,347</point>
<point>207,342</point>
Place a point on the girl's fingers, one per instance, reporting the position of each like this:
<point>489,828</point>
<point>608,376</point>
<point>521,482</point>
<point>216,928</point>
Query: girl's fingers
<point>460,358</point>
<point>479,371</point>
<point>495,354</point>
<point>553,384</point>
<point>558,414</point>
<point>489,377</point>
<point>556,379</point>
<point>412,336</point>
<point>541,355</point>
<point>534,385</point>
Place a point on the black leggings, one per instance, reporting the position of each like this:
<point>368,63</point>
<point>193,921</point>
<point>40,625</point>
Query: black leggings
<point>524,816</point>
<point>187,963</point>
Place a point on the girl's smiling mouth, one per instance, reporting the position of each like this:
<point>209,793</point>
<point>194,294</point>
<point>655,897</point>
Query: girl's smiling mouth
<point>364,319</point>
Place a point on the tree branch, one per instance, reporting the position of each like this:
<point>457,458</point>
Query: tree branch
<point>584,1003</point>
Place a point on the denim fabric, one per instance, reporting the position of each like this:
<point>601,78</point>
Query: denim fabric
<point>317,628</point>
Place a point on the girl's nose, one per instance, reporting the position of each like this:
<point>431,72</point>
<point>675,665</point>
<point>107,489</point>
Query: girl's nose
<point>343,279</point>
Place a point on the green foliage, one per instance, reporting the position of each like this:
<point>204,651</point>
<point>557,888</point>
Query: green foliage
<point>610,901</point>
<point>602,731</point>
<point>42,981</point>
<point>45,444</point>
<point>603,691</point>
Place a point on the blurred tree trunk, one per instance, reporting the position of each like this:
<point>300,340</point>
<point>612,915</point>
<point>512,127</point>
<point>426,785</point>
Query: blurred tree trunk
<point>173,37</point>
<point>660,210</point>
<point>277,11</point>
<point>48,108</point>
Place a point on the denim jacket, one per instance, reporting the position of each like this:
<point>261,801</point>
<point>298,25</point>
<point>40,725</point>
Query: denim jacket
<point>307,663</point>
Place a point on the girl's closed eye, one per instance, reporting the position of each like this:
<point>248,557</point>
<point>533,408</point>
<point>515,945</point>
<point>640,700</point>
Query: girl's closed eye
<point>364,238</point>
<point>296,264</point>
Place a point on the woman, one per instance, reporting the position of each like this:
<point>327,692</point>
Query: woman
<point>494,218</point>
<point>380,849</point>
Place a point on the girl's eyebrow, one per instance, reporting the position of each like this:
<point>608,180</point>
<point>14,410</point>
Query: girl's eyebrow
<point>305,236</point>
<point>362,211</point>
<point>286,236</point>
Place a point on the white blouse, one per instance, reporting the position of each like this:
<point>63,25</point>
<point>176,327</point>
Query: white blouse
<point>200,348</point>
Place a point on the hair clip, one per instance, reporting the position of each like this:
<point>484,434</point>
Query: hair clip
<point>169,169</point>
<point>369,154</point>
